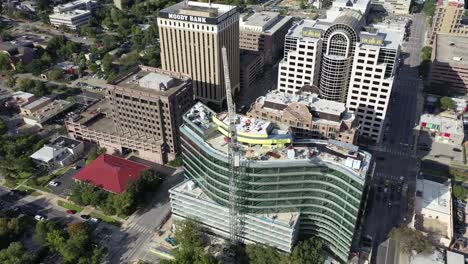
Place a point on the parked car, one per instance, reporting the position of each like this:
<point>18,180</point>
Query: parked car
<point>94,220</point>
<point>54,183</point>
<point>70,212</point>
<point>86,217</point>
<point>40,218</point>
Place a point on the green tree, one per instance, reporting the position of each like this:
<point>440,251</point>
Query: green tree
<point>410,240</point>
<point>55,74</point>
<point>25,85</point>
<point>426,53</point>
<point>5,63</point>
<point>137,38</point>
<point>40,232</point>
<point>460,192</point>
<point>259,254</point>
<point>15,254</point>
<point>107,63</point>
<point>39,88</point>
<point>446,103</point>
<point>189,237</point>
<point>3,127</point>
<point>10,81</point>
<point>309,251</point>
<point>35,67</point>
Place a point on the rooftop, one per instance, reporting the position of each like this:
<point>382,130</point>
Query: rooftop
<point>152,80</point>
<point>459,3</point>
<point>111,173</point>
<point>198,9</point>
<point>36,103</point>
<point>277,100</point>
<point>284,219</point>
<point>74,5</point>
<point>66,142</point>
<point>50,110</point>
<point>451,49</point>
<point>264,21</point>
<point>445,124</point>
<point>69,14</point>
<point>51,151</point>
<point>261,141</point>
<point>431,195</point>
<point>304,27</point>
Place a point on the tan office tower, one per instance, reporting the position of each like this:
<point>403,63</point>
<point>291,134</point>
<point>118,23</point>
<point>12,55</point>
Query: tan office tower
<point>449,18</point>
<point>192,35</point>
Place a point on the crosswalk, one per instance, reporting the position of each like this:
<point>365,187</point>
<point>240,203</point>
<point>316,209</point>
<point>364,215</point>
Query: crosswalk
<point>392,150</point>
<point>393,178</point>
<point>140,228</point>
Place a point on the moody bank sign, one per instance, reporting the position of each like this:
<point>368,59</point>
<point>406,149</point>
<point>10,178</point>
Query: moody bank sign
<point>188,18</point>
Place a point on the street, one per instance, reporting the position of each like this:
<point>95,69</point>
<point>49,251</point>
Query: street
<point>396,169</point>
<point>135,244</point>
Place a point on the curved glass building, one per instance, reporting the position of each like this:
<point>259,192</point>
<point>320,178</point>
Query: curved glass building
<point>323,182</point>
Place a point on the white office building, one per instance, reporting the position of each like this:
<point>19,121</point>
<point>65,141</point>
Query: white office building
<point>76,5</point>
<point>72,15</point>
<point>71,19</point>
<point>301,63</point>
<point>320,52</point>
<point>375,62</point>
<point>396,7</point>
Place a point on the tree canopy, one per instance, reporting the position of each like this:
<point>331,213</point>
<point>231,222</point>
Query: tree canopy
<point>446,103</point>
<point>410,240</point>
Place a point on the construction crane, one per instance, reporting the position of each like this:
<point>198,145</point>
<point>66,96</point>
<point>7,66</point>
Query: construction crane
<point>235,223</point>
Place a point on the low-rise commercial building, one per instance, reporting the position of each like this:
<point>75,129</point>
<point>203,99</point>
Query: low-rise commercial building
<point>111,173</point>
<point>76,5</point>
<point>307,115</point>
<point>70,19</point>
<point>433,210</point>
<point>59,153</point>
<point>396,7</point>
<point>449,69</point>
<point>72,15</point>
<point>264,32</point>
<point>323,182</point>
<point>142,113</point>
<point>444,128</point>
<point>42,110</point>
<point>19,99</point>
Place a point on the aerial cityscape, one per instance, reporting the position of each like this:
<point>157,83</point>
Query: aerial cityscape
<point>233,131</point>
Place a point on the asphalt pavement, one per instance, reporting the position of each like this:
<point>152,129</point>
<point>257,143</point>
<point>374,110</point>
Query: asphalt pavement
<point>396,167</point>
<point>135,244</point>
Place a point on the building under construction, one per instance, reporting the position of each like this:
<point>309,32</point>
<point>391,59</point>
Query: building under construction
<point>287,189</point>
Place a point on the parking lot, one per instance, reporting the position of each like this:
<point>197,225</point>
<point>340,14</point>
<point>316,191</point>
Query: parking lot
<point>66,180</point>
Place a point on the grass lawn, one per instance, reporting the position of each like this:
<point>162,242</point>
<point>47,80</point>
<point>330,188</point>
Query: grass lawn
<point>11,184</point>
<point>70,206</point>
<point>106,219</point>
<point>29,191</point>
<point>24,175</point>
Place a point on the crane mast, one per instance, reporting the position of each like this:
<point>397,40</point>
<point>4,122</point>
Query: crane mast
<point>233,158</point>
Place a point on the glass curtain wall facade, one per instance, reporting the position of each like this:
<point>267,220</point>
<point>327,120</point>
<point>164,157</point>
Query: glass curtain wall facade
<point>327,195</point>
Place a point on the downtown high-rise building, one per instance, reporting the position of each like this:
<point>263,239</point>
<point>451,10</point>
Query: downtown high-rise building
<point>449,18</point>
<point>348,62</point>
<point>192,35</point>
<point>372,77</point>
<point>321,53</point>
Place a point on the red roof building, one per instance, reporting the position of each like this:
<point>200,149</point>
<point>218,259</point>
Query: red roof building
<point>111,173</point>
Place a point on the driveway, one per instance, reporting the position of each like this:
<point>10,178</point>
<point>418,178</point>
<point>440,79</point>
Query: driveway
<point>66,180</point>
